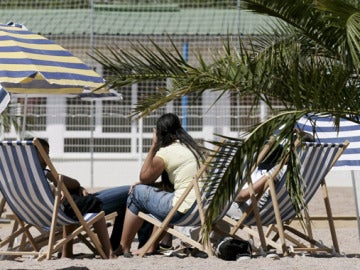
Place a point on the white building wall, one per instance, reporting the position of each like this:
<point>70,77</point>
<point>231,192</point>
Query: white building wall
<point>118,172</point>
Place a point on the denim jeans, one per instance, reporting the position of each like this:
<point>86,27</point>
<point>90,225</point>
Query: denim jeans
<point>151,200</point>
<point>114,200</point>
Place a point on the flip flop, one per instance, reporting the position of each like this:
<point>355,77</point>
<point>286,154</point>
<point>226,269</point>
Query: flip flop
<point>128,255</point>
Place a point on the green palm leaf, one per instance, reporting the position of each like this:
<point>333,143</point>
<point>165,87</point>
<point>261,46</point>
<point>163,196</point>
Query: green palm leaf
<point>309,61</point>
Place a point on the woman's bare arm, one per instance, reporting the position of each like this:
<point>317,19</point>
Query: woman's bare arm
<point>258,186</point>
<point>153,166</point>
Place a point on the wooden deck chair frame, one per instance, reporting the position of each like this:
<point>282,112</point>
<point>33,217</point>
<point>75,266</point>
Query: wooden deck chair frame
<point>163,226</point>
<point>53,245</point>
<point>281,228</point>
<point>4,219</point>
<point>42,238</point>
<point>286,231</point>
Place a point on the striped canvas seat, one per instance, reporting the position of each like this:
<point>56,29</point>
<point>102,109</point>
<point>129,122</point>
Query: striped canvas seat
<point>316,160</point>
<point>326,132</point>
<point>211,181</point>
<point>350,160</point>
<point>31,198</point>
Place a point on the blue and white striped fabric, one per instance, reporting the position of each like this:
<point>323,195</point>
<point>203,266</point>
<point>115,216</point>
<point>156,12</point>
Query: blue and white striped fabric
<point>33,64</point>
<point>24,186</point>
<point>325,132</point>
<point>212,182</point>
<point>316,161</point>
<point>4,99</point>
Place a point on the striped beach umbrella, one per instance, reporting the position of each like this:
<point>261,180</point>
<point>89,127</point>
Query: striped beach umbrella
<point>327,133</point>
<point>33,64</point>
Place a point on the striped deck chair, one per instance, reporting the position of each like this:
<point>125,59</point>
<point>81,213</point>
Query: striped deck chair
<point>34,203</point>
<point>195,216</point>
<point>316,160</point>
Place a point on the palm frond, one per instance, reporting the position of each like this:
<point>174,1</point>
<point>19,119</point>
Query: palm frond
<point>322,26</point>
<point>353,37</point>
<point>228,71</point>
<point>142,64</point>
<point>309,61</point>
<point>344,17</point>
<point>245,160</point>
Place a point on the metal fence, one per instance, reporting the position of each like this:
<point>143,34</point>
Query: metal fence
<point>87,136</point>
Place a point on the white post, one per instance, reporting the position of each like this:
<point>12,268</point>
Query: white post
<point>357,200</point>
<point>140,138</point>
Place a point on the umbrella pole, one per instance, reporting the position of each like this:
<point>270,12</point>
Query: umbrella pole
<point>93,124</point>
<point>23,126</point>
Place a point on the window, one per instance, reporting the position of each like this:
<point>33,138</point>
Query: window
<point>35,111</point>
<point>243,112</point>
<point>97,145</point>
<point>192,113</point>
<point>79,114</point>
<point>116,114</point>
<point>144,90</point>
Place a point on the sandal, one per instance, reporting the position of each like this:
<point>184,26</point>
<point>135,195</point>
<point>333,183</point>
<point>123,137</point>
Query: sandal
<point>118,252</point>
<point>128,255</point>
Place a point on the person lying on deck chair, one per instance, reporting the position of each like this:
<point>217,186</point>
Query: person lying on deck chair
<point>259,178</point>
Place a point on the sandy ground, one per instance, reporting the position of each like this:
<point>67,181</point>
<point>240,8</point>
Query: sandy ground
<point>342,201</point>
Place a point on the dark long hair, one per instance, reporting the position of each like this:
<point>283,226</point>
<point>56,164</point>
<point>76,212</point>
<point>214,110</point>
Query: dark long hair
<point>169,129</point>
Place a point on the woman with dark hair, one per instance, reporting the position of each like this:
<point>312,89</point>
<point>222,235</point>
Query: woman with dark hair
<point>174,151</point>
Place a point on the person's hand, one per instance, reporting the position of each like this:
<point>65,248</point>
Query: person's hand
<point>154,139</point>
<point>62,196</point>
<point>133,185</point>
<point>83,191</point>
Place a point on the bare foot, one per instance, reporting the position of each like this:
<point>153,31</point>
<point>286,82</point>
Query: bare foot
<point>118,252</point>
<point>112,255</point>
<point>141,250</point>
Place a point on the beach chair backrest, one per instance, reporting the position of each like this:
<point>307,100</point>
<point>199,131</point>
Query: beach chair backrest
<point>24,185</point>
<point>212,180</point>
<point>316,160</point>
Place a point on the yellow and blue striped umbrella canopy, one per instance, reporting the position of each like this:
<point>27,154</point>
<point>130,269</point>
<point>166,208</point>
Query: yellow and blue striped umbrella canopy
<point>33,64</point>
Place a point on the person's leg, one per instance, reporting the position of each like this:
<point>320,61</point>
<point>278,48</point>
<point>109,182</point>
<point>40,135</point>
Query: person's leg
<point>132,224</point>
<point>166,241</point>
<point>117,229</point>
<point>67,251</point>
<point>144,233</point>
<point>114,200</point>
<point>151,249</point>
<point>148,200</point>
<point>103,235</point>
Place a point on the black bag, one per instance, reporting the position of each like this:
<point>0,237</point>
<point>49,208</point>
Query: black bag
<point>230,249</point>
<point>86,204</point>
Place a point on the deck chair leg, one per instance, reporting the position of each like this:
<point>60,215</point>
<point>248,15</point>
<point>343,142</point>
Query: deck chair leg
<point>9,240</point>
<point>14,229</point>
<point>53,224</point>
<point>257,217</point>
<point>308,225</point>
<point>83,238</point>
<point>27,233</point>
<point>260,229</point>
<point>2,206</point>
<point>330,217</point>
<point>278,217</point>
